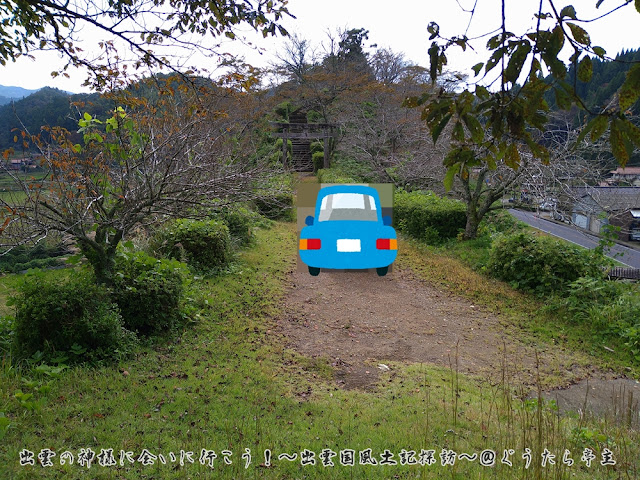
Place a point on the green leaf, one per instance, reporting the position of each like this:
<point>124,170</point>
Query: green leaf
<point>491,162</point>
<point>557,40</point>
<point>618,147</point>
<point>87,117</point>
<point>599,51</point>
<point>638,5</point>
<point>630,90</point>
<point>585,69</point>
<point>494,59</point>
<point>579,34</point>
<point>514,67</point>
<point>630,131</point>
<point>477,67</point>
<point>433,29</point>
<point>600,124</point>
<point>458,132</point>
<point>435,132</point>
<point>450,176</point>
<point>512,156</point>
<point>475,128</point>
<point>568,11</point>
<point>596,126</point>
<point>434,52</point>
<point>462,43</point>
<point>482,92</point>
<point>539,151</point>
<point>562,98</point>
<point>494,42</point>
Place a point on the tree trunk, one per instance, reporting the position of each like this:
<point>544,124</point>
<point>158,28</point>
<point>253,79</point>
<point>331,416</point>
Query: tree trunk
<point>101,254</point>
<point>471,228</point>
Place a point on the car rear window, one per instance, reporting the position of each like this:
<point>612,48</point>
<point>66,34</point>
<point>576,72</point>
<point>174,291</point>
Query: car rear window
<point>348,206</point>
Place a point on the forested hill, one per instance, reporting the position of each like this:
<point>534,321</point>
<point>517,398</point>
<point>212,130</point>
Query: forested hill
<point>7,93</point>
<point>606,80</point>
<point>53,107</point>
<point>46,107</point>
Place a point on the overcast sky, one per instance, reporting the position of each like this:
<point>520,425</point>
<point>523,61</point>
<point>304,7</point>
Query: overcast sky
<point>400,25</point>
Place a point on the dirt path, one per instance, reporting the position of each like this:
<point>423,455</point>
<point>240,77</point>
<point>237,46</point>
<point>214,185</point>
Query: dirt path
<point>359,320</point>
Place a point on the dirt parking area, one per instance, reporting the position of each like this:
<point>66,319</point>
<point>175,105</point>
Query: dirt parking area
<point>359,321</point>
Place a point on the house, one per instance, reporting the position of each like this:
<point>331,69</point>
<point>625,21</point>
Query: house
<point>624,176</point>
<point>20,164</point>
<point>596,207</point>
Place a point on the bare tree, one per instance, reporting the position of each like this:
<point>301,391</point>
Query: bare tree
<point>577,179</point>
<point>388,67</point>
<point>153,30</point>
<point>173,158</point>
<point>377,130</point>
<point>297,59</point>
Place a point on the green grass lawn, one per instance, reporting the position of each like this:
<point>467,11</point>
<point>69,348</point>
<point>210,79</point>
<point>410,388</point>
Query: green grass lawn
<point>10,191</point>
<point>229,385</point>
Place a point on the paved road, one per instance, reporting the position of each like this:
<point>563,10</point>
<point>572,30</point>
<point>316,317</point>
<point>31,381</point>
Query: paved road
<point>626,255</point>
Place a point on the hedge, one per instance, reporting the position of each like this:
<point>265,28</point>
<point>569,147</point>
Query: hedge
<point>541,264</point>
<point>333,175</point>
<point>54,316</point>
<point>149,292</point>
<point>205,245</point>
<point>426,216</point>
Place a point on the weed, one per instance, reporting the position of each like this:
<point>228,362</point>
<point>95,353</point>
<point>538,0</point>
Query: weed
<point>231,384</point>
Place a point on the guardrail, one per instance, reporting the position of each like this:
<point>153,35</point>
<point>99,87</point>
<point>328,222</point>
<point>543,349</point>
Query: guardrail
<point>621,273</point>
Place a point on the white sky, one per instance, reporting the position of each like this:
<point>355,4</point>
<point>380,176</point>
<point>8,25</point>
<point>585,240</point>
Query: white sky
<point>400,25</point>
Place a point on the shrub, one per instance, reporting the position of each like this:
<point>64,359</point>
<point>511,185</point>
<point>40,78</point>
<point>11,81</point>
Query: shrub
<point>58,316</point>
<point>277,149</point>
<point>7,333</point>
<point>318,160</point>
<point>275,200</point>
<point>205,245</point>
<point>316,147</point>
<point>350,167</point>
<point>23,257</point>
<point>427,216</point>
<point>276,207</point>
<point>313,116</point>
<point>149,291</point>
<point>500,221</point>
<point>240,220</point>
<point>333,175</point>
<point>541,264</point>
<point>610,308</point>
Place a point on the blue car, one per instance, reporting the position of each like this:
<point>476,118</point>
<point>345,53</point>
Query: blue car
<point>348,231</point>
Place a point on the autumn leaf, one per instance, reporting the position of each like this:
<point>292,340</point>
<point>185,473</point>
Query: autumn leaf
<point>512,156</point>
<point>579,34</point>
<point>618,147</point>
<point>630,89</point>
<point>585,69</point>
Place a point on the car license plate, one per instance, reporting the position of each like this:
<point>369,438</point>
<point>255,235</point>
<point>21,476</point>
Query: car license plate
<point>348,245</point>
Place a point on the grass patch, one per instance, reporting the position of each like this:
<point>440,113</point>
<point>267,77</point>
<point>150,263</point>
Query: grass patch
<point>458,267</point>
<point>448,271</point>
<point>229,384</point>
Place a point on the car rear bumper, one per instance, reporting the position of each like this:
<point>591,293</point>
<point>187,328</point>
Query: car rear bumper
<point>355,260</point>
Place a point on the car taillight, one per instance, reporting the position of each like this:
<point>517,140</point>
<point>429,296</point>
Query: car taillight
<point>387,244</point>
<point>310,244</point>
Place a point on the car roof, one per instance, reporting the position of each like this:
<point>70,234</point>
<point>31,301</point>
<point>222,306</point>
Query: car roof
<point>347,188</point>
